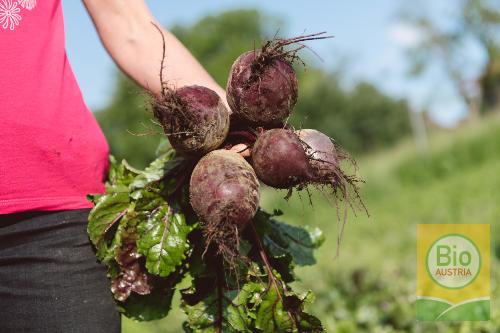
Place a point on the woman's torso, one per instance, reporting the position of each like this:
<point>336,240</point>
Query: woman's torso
<point>52,152</point>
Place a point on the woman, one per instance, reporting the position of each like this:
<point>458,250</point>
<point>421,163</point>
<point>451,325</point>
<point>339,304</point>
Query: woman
<point>52,153</point>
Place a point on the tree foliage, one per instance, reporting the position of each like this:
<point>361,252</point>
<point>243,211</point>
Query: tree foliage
<point>216,41</point>
<point>127,124</point>
<point>477,21</point>
<point>360,119</point>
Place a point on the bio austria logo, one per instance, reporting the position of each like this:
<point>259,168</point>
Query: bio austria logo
<point>453,261</point>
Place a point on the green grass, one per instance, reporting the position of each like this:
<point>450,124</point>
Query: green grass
<point>370,286</point>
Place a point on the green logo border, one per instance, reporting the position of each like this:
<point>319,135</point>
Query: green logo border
<point>429,251</point>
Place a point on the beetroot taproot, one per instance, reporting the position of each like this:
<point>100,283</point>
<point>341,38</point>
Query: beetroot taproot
<point>279,159</point>
<point>287,159</point>
<point>224,193</point>
<point>262,88</point>
<point>194,119</point>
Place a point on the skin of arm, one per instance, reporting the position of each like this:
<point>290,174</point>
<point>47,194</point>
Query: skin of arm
<point>126,29</point>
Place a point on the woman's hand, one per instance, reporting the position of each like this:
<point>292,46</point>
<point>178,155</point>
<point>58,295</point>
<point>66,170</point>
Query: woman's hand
<point>242,149</point>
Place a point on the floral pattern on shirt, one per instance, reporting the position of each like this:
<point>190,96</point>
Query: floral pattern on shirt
<point>28,4</point>
<point>10,12</point>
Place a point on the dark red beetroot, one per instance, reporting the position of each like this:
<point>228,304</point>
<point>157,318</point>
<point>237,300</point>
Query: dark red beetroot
<point>262,88</point>
<point>194,119</point>
<point>286,160</point>
<point>279,159</point>
<point>224,193</point>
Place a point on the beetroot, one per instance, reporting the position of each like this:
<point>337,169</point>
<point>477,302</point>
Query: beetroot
<point>279,159</point>
<point>285,159</point>
<point>323,156</point>
<point>194,119</point>
<point>262,88</point>
<point>224,193</point>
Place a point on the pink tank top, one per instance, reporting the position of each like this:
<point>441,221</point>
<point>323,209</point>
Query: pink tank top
<point>52,151</point>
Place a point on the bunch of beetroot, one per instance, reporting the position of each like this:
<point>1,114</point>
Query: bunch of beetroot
<point>192,216</point>
<point>262,91</point>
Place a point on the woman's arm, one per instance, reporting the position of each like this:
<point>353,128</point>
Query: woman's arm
<point>127,32</point>
<point>135,44</point>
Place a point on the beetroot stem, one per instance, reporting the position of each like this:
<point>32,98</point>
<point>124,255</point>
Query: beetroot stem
<point>220,299</point>
<point>270,273</point>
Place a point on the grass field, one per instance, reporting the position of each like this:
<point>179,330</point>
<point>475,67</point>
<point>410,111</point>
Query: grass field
<point>370,287</point>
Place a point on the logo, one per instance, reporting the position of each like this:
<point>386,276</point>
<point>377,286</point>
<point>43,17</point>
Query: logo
<point>453,281</point>
<point>453,261</point>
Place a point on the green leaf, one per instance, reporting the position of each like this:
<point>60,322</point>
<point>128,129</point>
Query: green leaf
<point>128,169</point>
<point>106,249</point>
<point>120,174</point>
<point>147,307</point>
<point>299,242</point>
<point>94,197</point>
<point>285,314</point>
<point>163,241</point>
<point>162,167</point>
<point>153,306</point>
<point>310,323</point>
<point>237,309</point>
<point>107,211</point>
<point>271,316</point>
<point>163,147</point>
<point>282,239</point>
<point>147,200</point>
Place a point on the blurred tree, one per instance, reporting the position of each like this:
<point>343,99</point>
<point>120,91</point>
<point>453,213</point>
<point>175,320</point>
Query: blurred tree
<point>361,119</point>
<point>216,41</point>
<point>482,19</point>
<point>127,124</point>
<point>477,21</point>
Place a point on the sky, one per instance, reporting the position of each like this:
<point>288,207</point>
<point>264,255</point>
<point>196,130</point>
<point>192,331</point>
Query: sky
<point>368,45</point>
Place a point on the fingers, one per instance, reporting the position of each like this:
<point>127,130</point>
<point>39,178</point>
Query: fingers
<point>242,149</point>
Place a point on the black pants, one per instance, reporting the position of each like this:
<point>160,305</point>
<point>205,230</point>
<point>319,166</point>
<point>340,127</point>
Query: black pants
<point>50,280</point>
